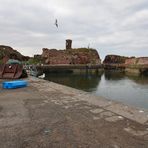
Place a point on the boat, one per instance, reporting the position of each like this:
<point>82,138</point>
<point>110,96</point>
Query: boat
<point>33,71</point>
<point>14,84</point>
<point>13,69</point>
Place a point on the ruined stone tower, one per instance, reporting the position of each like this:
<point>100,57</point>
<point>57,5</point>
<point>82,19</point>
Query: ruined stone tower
<point>68,44</point>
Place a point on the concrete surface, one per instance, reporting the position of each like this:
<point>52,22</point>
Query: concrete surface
<point>49,115</point>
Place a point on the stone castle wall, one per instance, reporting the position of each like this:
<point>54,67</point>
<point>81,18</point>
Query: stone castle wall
<point>71,56</point>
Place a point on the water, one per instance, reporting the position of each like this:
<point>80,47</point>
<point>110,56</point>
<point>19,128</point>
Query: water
<point>117,86</point>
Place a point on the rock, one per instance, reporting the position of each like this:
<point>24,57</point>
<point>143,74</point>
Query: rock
<point>130,61</point>
<point>142,61</point>
<point>114,59</point>
<point>71,56</point>
<point>7,53</point>
<point>137,61</point>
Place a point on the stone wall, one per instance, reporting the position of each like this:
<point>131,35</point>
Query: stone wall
<point>71,56</point>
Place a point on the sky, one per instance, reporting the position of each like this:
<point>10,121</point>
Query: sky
<point>110,26</point>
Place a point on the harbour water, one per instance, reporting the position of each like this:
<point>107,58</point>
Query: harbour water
<point>130,90</point>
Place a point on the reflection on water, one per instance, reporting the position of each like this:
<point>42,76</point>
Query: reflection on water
<point>86,82</point>
<point>117,86</point>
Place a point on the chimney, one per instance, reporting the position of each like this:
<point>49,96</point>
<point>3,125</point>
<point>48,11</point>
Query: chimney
<point>68,44</point>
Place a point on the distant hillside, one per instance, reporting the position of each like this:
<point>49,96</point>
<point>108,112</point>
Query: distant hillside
<point>7,53</point>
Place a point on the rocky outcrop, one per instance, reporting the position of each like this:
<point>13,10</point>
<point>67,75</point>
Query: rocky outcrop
<point>130,65</point>
<point>114,62</point>
<point>137,61</point>
<point>114,59</point>
<point>71,56</point>
<point>137,65</point>
<point>7,53</point>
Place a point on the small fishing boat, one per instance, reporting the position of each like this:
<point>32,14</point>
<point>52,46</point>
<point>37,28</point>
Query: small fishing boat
<point>13,69</point>
<point>33,71</point>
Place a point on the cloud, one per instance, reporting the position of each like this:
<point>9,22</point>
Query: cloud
<point>110,26</point>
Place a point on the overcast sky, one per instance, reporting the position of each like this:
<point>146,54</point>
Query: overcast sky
<point>110,26</point>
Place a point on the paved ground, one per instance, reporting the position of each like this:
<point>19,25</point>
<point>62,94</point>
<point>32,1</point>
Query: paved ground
<point>48,115</point>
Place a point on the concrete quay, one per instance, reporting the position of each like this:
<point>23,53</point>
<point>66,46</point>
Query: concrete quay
<point>49,115</point>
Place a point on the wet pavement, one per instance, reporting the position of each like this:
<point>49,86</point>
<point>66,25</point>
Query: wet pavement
<point>49,115</point>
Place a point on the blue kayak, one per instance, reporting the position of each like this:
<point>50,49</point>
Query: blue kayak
<point>14,84</point>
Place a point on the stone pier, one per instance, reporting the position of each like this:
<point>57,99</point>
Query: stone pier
<point>49,115</point>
